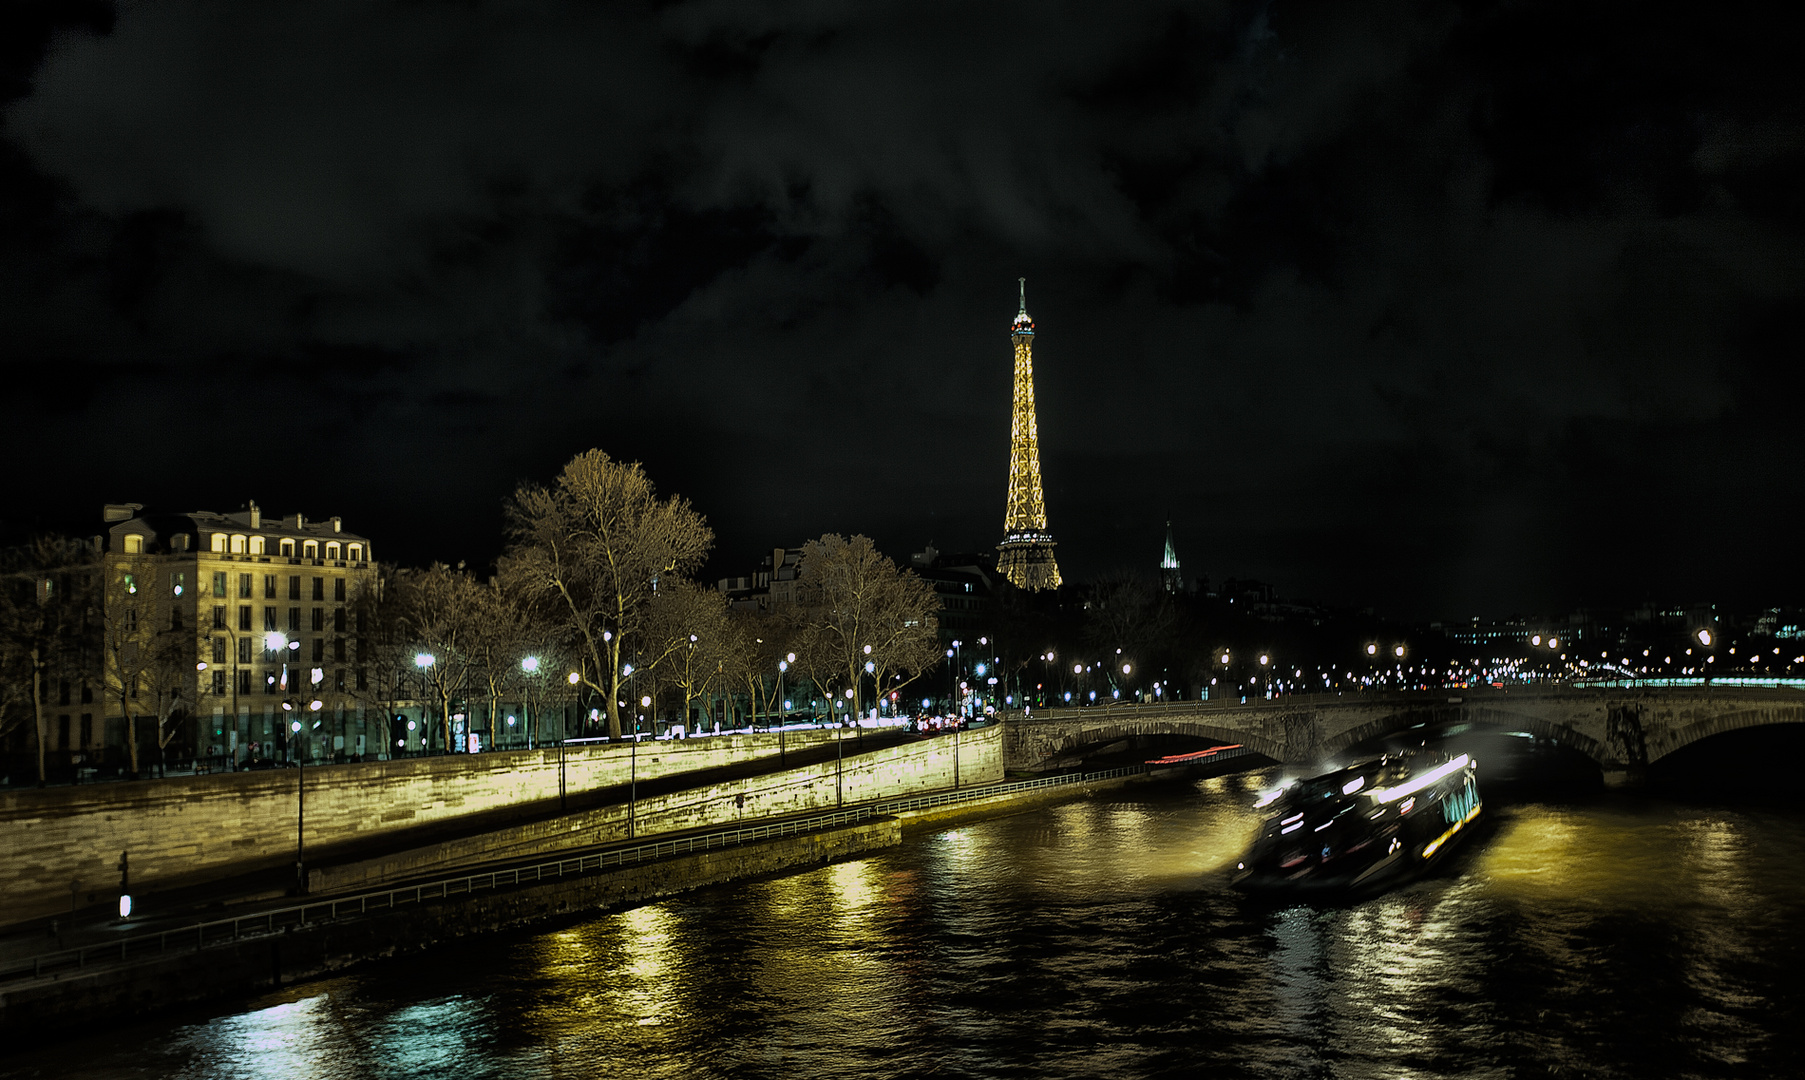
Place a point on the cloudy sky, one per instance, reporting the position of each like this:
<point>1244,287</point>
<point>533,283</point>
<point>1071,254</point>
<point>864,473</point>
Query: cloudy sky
<point>1448,308</point>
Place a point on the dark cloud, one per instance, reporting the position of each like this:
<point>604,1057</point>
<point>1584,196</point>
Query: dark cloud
<point>1433,306</point>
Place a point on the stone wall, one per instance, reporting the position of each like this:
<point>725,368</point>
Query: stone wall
<point>912,768</point>
<point>60,845</point>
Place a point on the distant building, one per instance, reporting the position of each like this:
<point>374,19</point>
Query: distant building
<point>965,584</point>
<point>230,617</point>
<point>774,582</point>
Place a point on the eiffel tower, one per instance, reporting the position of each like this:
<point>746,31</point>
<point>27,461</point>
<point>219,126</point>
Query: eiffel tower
<point>1026,553</point>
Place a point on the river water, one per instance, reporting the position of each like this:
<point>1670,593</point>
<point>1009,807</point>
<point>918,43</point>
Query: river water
<point>1604,936</point>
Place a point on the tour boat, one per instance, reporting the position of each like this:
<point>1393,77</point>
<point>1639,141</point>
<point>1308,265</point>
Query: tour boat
<point>1362,828</point>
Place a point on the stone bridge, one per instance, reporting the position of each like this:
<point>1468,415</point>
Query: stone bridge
<point>1622,729</point>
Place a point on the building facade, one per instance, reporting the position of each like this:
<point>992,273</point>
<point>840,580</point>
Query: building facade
<point>231,637</point>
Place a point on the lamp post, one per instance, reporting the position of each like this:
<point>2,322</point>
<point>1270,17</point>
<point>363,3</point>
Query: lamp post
<point>294,727</point>
<point>783,714</point>
<point>530,666</point>
<point>423,661</point>
<point>564,737</point>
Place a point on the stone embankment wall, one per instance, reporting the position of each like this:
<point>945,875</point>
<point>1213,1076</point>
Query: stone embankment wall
<point>975,757</point>
<point>59,845</point>
<point>50,1007</point>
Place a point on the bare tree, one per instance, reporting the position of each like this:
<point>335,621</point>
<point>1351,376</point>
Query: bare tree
<point>47,606</point>
<point>691,640</point>
<point>438,607</point>
<point>147,654</point>
<point>864,617</point>
<point>597,543</point>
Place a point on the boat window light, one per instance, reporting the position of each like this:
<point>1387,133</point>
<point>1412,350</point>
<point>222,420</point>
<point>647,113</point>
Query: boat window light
<point>1392,794</point>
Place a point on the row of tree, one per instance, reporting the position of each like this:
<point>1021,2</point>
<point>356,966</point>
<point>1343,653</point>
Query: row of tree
<point>594,589</point>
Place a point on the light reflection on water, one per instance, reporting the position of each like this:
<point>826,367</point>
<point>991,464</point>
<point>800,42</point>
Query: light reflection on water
<point>1619,937</point>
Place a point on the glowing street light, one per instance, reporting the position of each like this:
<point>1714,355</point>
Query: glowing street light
<point>530,665</point>
<point>424,660</point>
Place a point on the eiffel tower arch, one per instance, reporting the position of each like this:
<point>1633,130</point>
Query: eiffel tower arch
<point>1025,556</point>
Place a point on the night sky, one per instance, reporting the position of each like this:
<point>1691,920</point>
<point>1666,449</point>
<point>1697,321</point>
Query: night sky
<point>1449,309</point>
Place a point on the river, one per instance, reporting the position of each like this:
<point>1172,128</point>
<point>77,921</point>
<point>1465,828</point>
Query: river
<point>1599,936</point>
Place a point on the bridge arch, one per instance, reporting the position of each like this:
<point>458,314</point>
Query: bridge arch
<point>1677,737</point>
<point>1078,736</point>
<point>1479,715</point>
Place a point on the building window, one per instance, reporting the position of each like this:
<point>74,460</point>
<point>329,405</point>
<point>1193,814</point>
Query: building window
<point>338,621</point>
<point>218,542</point>
<point>178,582</point>
<point>238,543</point>
<point>269,586</point>
<point>62,692</point>
<point>355,553</point>
<point>244,617</point>
<point>87,729</point>
<point>270,685</point>
<point>363,679</point>
<point>219,616</point>
<point>62,732</point>
<point>294,586</point>
<point>269,619</point>
<point>338,650</point>
<point>294,619</point>
<point>131,620</point>
<point>319,619</point>
<point>338,680</point>
<point>244,586</point>
<point>131,584</point>
<point>257,545</point>
<point>175,619</point>
<point>288,549</point>
<point>134,544</point>
<point>319,650</point>
<point>332,549</point>
<point>219,650</point>
<point>87,694</point>
<point>244,679</point>
<point>310,549</point>
<point>219,583</point>
<point>219,682</point>
<point>244,650</point>
<point>319,588</point>
<point>338,589</point>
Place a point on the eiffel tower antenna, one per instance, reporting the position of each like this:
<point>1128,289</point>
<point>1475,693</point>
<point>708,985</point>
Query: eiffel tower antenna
<point>1026,553</point>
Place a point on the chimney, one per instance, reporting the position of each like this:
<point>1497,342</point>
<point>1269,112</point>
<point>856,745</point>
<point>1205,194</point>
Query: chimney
<point>300,521</point>
<point>338,524</point>
<point>256,517</point>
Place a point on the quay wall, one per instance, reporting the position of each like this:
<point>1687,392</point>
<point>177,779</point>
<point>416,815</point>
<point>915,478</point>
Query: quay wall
<point>971,758</point>
<point>60,847</point>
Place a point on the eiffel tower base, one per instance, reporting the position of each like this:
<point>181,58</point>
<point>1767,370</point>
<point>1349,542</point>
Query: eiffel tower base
<point>1028,564</point>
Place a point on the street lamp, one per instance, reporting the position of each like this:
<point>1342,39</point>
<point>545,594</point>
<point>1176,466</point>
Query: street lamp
<point>563,737</point>
<point>423,661</point>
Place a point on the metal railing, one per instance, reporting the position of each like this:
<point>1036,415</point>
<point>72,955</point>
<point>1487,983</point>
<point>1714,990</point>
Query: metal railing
<point>201,935</point>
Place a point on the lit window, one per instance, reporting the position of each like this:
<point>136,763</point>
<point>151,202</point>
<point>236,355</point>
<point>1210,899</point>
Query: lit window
<point>332,549</point>
<point>219,542</point>
<point>257,545</point>
<point>134,544</point>
<point>311,549</point>
<point>355,553</point>
<point>288,548</point>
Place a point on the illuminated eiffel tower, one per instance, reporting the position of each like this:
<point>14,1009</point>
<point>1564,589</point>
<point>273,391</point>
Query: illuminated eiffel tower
<point>1026,553</point>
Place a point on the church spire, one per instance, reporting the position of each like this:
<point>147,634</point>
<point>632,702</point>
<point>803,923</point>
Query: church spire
<point>1169,574</point>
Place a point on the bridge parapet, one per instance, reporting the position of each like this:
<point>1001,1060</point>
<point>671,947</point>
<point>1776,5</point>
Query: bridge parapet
<point>1619,728</point>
